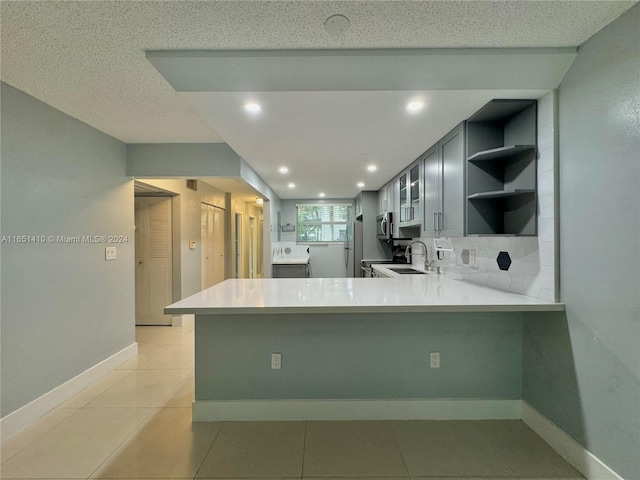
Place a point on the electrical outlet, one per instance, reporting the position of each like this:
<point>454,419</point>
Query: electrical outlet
<point>110,253</point>
<point>434,360</point>
<point>276,361</point>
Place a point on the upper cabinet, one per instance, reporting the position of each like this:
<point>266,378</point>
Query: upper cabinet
<point>501,169</point>
<point>410,197</point>
<point>444,185</point>
<point>357,205</point>
<point>385,198</point>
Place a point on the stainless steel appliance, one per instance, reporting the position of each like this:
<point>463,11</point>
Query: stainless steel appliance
<point>384,226</point>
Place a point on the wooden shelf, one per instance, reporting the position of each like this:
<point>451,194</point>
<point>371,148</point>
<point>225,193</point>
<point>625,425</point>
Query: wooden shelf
<point>500,194</point>
<point>502,153</point>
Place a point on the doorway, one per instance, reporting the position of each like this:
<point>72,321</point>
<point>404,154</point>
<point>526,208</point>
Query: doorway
<point>238,246</point>
<point>253,245</point>
<point>153,269</point>
<point>213,242</point>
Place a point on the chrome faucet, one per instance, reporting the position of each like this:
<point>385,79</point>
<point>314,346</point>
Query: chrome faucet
<point>427,264</point>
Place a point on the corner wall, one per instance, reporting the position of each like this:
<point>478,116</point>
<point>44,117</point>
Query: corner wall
<point>582,370</point>
<point>64,308</point>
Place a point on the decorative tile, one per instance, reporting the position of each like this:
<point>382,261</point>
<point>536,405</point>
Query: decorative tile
<point>504,260</point>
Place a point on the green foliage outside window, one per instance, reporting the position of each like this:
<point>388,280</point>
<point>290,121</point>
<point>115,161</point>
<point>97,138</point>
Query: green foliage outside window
<point>323,223</point>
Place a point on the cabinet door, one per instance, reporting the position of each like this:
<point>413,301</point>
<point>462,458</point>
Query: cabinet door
<point>394,205</point>
<point>431,169</point>
<point>452,157</point>
<point>415,194</point>
<point>390,197</point>
<point>403,207</point>
<point>358,205</point>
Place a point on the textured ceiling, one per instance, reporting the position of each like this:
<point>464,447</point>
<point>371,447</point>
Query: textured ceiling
<point>87,58</point>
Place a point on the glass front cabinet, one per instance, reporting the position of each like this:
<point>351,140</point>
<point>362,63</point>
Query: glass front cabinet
<point>410,198</point>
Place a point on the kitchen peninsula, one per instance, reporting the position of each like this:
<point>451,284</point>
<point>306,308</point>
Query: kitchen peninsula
<point>357,348</point>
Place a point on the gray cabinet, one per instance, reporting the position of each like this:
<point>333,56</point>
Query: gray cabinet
<point>501,169</point>
<point>300,270</point>
<point>410,198</point>
<point>358,205</point>
<point>385,198</point>
<point>444,185</point>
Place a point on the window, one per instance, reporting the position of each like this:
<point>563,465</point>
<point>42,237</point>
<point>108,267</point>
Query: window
<point>322,223</point>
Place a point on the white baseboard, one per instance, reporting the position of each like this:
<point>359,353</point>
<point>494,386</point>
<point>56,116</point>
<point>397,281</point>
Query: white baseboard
<point>32,411</point>
<point>282,410</point>
<point>582,460</point>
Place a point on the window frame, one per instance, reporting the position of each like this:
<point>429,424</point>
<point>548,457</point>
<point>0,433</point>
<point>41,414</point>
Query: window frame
<point>332,222</point>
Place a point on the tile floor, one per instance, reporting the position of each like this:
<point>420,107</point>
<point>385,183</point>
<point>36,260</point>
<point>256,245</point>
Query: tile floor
<point>136,423</point>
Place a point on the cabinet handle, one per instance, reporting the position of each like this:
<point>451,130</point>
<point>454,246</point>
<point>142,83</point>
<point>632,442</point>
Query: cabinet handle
<point>435,221</point>
<point>439,221</point>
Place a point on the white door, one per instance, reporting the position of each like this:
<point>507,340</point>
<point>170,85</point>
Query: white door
<point>212,238</point>
<point>238,264</point>
<point>153,260</point>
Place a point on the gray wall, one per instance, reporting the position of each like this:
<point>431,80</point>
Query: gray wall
<point>64,308</point>
<point>582,369</point>
<point>359,356</point>
<point>182,160</point>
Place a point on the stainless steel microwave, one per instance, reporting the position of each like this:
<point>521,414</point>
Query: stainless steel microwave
<point>384,226</point>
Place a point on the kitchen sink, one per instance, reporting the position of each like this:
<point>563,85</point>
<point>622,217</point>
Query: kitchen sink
<point>407,271</point>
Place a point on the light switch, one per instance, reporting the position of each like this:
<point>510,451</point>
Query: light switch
<point>192,244</point>
<point>110,253</point>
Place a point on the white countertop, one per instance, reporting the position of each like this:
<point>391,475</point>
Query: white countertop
<point>406,293</point>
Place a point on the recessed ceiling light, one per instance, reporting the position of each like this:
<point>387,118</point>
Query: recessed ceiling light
<point>321,194</point>
<point>252,107</point>
<point>360,184</point>
<point>372,168</point>
<point>283,170</point>
<point>414,106</point>
<point>292,185</point>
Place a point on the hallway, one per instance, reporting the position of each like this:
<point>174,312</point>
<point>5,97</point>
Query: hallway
<point>136,423</point>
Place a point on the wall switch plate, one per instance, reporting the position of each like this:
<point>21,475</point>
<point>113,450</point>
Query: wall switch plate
<point>276,361</point>
<point>434,360</point>
<point>192,244</point>
<point>110,253</point>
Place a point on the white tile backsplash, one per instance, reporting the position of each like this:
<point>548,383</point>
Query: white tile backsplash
<point>532,269</point>
<point>545,160</point>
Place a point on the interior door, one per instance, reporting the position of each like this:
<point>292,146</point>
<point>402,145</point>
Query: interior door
<point>212,239</point>
<point>238,246</point>
<point>153,244</point>
<point>253,248</point>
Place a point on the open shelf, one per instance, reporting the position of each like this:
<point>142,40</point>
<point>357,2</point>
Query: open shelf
<point>501,169</point>
<point>501,153</point>
<point>501,193</point>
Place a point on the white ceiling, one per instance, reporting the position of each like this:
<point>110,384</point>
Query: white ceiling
<point>87,59</point>
<point>327,139</point>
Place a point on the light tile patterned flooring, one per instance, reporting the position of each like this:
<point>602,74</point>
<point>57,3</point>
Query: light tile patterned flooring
<point>136,423</point>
